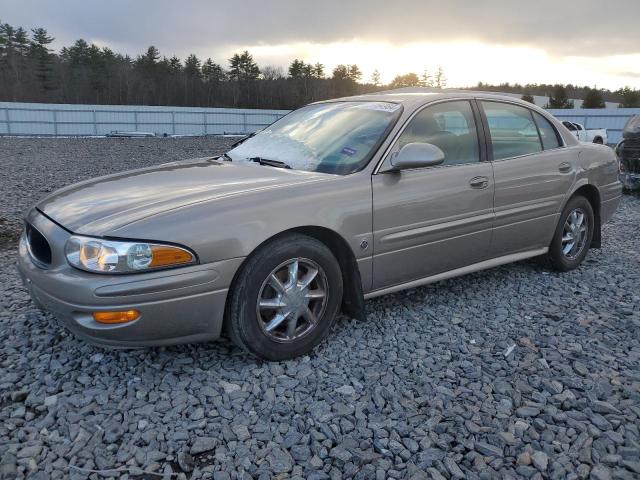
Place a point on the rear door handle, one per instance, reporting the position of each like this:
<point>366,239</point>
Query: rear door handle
<point>479,182</point>
<point>564,167</point>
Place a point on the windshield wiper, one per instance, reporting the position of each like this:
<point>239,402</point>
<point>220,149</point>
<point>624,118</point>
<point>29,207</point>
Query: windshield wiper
<point>271,163</point>
<point>243,139</point>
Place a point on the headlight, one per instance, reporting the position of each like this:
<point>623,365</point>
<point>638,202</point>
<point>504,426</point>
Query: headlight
<point>109,256</point>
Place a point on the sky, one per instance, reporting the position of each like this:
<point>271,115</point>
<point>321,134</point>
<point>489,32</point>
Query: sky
<point>583,42</point>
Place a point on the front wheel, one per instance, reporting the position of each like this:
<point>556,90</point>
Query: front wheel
<point>573,235</point>
<point>285,299</point>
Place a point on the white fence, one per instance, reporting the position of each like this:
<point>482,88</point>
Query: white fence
<point>613,119</point>
<point>86,120</point>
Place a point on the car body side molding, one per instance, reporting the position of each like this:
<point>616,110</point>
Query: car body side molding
<point>494,262</point>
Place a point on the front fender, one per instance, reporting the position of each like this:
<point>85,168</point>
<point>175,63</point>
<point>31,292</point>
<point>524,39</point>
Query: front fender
<point>233,227</point>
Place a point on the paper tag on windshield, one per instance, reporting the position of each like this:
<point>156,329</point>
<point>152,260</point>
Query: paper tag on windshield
<point>380,106</point>
<point>348,151</point>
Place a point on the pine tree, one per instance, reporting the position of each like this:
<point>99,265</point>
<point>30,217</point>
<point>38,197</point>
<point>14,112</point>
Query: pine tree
<point>307,70</point>
<point>341,72</point>
<point>15,46</point>
<point>630,98</point>
<point>192,66</point>
<point>426,80</point>
<point>149,60</point>
<point>175,65</point>
<point>440,80</point>
<point>559,98</point>
<point>528,98</point>
<point>593,99</point>
<point>244,71</point>
<point>296,68</point>
<point>375,78</point>
<point>318,70</point>
<point>212,72</point>
<point>353,73</point>
<point>243,68</point>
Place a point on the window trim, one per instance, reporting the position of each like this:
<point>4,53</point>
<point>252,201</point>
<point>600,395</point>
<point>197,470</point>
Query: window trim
<point>555,130</point>
<point>488,132</point>
<point>479,135</point>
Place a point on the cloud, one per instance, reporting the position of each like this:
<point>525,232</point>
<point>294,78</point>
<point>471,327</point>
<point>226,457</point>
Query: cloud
<point>629,74</point>
<point>586,42</point>
<point>584,27</point>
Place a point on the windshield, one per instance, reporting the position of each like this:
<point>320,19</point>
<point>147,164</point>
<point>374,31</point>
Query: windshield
<point>336,138</point>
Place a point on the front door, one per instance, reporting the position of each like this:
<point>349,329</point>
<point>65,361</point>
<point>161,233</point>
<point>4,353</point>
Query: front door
<point>430,220</point>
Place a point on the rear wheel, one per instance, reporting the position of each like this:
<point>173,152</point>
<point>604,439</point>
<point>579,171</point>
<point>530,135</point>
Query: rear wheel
<point>573,235</point>
<point>285,299</point>
<point>598,140</point>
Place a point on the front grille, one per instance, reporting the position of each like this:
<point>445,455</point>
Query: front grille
<point>38,246</point>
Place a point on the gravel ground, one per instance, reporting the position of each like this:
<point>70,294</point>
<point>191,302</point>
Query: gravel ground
<point>515,372</point>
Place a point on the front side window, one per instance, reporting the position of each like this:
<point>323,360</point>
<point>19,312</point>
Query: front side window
<point>449,126</point>
<point>335,137</point>
<point>513,132</point>
<point>547,132</point>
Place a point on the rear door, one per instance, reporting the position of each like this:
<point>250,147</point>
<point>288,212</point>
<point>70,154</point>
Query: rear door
<point>533,173</point>
<point>431,220</point>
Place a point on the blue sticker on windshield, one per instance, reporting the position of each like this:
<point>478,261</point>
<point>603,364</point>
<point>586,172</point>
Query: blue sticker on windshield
<point>348,151</point>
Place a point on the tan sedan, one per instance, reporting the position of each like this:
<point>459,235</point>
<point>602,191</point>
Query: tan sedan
<point>335,203</point>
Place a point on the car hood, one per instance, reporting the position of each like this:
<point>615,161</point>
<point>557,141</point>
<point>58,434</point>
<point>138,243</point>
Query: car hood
<point>98,206</point>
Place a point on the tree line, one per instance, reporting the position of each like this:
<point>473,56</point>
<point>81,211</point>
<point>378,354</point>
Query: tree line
<point>560,95</point>
<point>84,73</point>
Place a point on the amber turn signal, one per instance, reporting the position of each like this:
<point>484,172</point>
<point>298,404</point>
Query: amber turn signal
<point>116,317</point>
<point>163,256</point>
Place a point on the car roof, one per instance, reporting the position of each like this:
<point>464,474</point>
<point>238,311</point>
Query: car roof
<point>419,95</point>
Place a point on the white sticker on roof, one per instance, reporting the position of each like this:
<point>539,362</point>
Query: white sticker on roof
<point>380,106</point>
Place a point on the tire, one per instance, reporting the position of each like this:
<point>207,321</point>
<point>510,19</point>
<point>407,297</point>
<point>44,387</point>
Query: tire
<point>561,256</point>
<point>256,316</point>
<point>598,140</point>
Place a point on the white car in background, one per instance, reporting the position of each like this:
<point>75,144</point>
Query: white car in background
<point>592,135</point>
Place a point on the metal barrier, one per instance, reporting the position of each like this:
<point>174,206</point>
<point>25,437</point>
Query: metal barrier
<point>89,120</point>
<point>613,119</point>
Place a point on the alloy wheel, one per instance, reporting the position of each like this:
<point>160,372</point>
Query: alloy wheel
<point>575,234</point>
<point>292,299</point>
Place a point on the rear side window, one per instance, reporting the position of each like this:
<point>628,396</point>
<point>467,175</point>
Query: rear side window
<point>513,132</point>
<point>548,134</point>
<point>450,126</point>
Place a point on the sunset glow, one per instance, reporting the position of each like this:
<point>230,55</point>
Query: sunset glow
<point>464,63</point>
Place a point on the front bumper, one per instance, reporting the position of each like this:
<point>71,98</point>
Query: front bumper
<point>181,305</point>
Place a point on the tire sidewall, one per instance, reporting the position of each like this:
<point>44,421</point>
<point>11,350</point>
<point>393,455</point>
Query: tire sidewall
<point>558,258</point>
<point>243,315</point>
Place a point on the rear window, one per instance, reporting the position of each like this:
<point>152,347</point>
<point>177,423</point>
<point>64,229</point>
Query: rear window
<point>548,134</point>
<point>513,132</point>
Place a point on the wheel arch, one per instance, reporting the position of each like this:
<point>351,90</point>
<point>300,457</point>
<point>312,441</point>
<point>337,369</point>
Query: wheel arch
<point>353,295</point>
<point>592,194</point>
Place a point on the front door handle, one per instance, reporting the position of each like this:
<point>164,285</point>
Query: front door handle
<point>564,167</point>
<point>479,182</point>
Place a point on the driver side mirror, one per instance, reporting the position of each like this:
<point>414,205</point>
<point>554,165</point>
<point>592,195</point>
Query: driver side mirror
<point>416,155</point>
